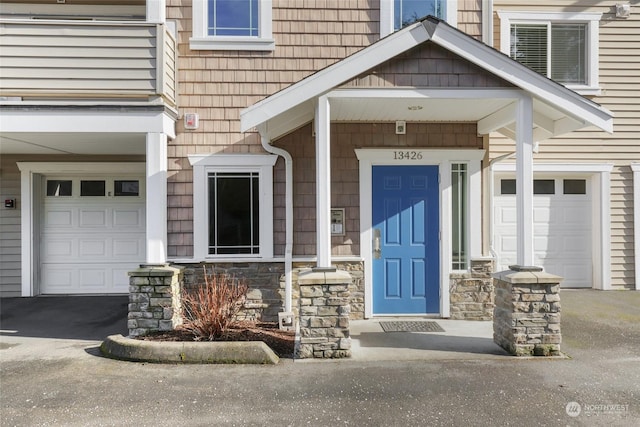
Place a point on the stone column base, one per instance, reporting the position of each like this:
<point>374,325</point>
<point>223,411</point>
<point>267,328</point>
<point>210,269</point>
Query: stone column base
<point>324,314</point>
<point>527,313</point>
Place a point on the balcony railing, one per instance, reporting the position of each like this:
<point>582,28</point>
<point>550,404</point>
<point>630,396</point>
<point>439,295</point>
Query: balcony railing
<point>88,60</point>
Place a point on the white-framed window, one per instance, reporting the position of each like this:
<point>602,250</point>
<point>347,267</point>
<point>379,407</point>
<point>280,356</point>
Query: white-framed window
<point>232,205</point>
<point>562,46</point>
<point>395,14</point>
<point>232,25</point>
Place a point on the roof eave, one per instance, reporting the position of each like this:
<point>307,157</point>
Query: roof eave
<point>535,84</point>
<point>332,76</point>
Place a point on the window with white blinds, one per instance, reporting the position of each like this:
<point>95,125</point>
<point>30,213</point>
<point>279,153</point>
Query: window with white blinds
<point>562,46</point>
<point>556,50</point>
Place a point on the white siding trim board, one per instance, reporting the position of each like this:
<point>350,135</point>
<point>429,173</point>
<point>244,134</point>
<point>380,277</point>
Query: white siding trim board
<point>635,167</point>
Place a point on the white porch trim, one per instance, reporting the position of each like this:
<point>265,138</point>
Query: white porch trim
<point>156,218</point>
<point>635,167</point>
<point>442,158</point>
<point>524,180</point>
<point>31,195</point>
<point>323,182</point>
<point>82,121</point>
<point>157,11</point>
<point>601,182</point>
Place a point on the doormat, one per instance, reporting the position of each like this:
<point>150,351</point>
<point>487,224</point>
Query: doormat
<point>411,326</point>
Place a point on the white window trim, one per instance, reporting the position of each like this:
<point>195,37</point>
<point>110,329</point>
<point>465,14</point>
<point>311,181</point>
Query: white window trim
<point>593,39</point>
<point>601,212</point>
<point>200,40</point>
<point>444,159</point>
<point>202,165</point>
<point>386,16</point>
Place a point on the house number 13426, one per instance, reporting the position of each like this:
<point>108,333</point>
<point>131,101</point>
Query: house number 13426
<point>407,155</point>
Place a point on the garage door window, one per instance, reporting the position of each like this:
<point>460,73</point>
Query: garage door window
<point>126,188</point>
<point>540,186</point>
<point>574,186</point>
<point>58,187</point>
<point>92,188</point>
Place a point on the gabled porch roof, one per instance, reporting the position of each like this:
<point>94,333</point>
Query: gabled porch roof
<point>556,109</point>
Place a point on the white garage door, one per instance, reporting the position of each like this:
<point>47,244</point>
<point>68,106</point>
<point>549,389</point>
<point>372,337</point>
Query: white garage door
<point>562,217</point>
<point>92,234</point>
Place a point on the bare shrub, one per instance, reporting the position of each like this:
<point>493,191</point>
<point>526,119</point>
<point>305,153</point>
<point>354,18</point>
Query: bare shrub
<point>209,309</point>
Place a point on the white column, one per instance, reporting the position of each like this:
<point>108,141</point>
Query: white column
<point>156,206</point>
<point>323,182</point>
<point>156,11</point>
<point>524,180</point>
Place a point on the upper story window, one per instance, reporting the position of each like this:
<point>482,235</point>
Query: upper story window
<point>396,14</point>
<point>232,25</point>
<point>561,46</point>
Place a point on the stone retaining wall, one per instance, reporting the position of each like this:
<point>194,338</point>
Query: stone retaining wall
<point>154,299</point>
<point>472,293</point>
<point>527,313</point>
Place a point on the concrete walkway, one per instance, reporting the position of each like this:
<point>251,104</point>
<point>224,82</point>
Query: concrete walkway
<point>460,340</point>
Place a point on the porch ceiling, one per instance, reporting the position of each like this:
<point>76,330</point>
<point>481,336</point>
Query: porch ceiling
<point>72,143</point>
<point>414,110</point>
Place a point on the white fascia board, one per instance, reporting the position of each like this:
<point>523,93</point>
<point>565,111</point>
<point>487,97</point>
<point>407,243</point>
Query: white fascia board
<point>87,122</point>
<point>537,85</point>
<point>332,76</point>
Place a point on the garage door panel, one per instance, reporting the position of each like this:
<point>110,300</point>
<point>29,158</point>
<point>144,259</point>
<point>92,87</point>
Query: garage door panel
<point>127,247</point>
<point>61,249</point>
<point>128,218</point>
<point>507,216</point>
<point>541,215</point>
<point>57,278</point>
<point>90,248</point>
<point>93,218</point>
<point>93,278</point>
<point>58,219</point>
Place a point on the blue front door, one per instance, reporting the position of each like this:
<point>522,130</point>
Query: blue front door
<point>406,254</point>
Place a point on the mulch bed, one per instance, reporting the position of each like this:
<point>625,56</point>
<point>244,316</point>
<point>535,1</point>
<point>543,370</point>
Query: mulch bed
<point>281,342</point>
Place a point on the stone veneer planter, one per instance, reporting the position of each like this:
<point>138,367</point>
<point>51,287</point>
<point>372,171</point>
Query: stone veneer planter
<point>527,313</point>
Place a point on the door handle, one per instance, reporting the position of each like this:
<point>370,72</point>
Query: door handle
<point>377,248</point>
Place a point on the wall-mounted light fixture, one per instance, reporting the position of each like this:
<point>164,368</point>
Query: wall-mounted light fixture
<point>401,127</point>
<point>623,10</point>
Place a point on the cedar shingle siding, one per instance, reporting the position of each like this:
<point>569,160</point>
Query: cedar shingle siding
<point>310,35</point>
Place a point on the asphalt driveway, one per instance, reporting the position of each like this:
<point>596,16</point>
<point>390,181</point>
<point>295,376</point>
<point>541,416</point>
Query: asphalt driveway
<point>63,381</point>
